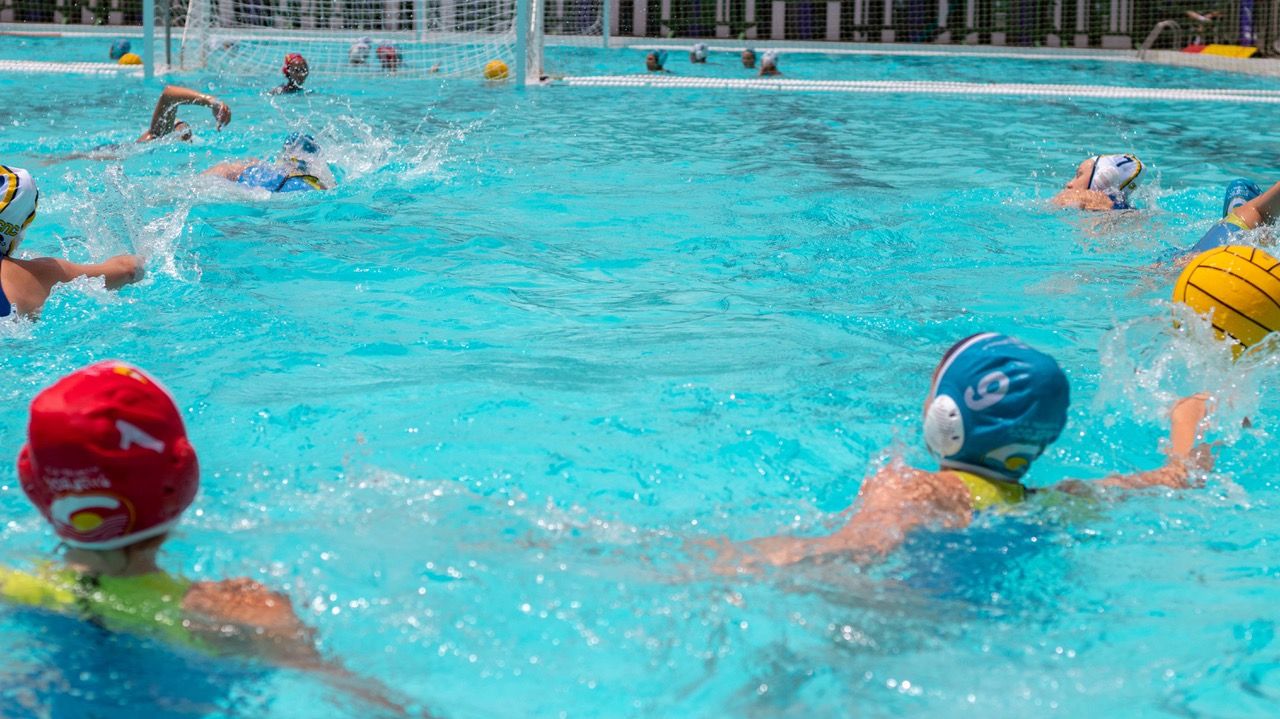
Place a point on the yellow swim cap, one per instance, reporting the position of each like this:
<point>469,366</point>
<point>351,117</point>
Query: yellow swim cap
<point>130,59</point>
<point>1238,287</point>
<point>495,70</point>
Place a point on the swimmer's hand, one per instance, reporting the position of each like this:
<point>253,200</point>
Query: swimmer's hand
<point>1187,420</point>
<point>221,113</point>
<point>123,270</point>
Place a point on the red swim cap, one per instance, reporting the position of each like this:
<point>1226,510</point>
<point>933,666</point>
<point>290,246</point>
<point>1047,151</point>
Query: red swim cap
<point>107,460</point>
<point>389,55</point>
<point>294,58</point>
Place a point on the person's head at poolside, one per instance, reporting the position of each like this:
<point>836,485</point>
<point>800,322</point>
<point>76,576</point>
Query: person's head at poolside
<point>699,53</point>
<point>1115,176</point>
<point>358,53</point>
<point>295,69</point>
<point>654,60</point>
<point>107,462</point>
<point>389,56</point>
<point>19,200</point>
<point>749,58</point>
<point>994,405</point>
<point>769,63</point>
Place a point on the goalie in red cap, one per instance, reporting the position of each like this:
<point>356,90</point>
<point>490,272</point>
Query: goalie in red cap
<point>295,72</point>
<point>108,464</point>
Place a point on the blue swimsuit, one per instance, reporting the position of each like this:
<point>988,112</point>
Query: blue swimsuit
<point>274,179</point>
<point>5,307</point>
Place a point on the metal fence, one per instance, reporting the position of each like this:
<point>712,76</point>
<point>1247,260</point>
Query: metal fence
<point>1117,24</point>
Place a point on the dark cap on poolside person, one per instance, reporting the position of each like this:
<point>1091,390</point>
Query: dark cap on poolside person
<point>107,461</point>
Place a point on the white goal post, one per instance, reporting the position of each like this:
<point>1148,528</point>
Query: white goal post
<point>481,39</point>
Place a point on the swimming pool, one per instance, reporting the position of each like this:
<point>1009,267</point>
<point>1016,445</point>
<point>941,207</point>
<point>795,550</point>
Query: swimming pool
<point>469,408</point>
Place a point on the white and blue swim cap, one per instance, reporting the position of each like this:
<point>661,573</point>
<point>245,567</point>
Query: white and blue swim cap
<point>359,51</point>
<point>18,200</point>
<point>770,57</point>
<point>699,51</point>
<point>994,406</point>
<point>300,143</point>
<point>1116,176</point>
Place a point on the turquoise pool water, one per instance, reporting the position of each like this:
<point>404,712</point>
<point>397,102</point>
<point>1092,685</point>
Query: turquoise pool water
<point>470,408</point>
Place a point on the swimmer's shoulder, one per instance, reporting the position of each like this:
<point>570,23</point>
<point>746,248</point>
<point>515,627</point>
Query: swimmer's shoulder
<point>898,486</point>
<point>239,601</point>
<point>244,616</point>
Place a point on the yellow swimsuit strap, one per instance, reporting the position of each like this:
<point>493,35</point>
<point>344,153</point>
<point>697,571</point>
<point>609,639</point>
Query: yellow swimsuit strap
<point>989,493</point>
<point>1234,219</point>
<point>149,604</point>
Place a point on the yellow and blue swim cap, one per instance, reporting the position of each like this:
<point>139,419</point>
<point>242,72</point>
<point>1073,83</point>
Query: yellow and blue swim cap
<point>994,406</point>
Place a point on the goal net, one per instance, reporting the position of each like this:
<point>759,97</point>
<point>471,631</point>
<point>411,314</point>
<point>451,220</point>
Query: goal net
<point>404,38</point>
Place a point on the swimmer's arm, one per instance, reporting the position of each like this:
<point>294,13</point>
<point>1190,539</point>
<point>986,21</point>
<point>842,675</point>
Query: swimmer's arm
<point>117,271</point>
<point>1083,199</point>
<point>892,503</point>
<point>242,616</point>
<point>35,278</point>
<point>1185,454</point>
<point>228,170</point>
<point>1261,209</point>
<point>165,115</point>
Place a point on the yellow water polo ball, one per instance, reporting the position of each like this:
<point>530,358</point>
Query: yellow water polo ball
<point>130,59</point>
<point>495,70</point>
<point>1238,287</point>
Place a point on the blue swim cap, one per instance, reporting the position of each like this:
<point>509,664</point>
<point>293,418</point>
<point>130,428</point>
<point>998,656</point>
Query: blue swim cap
<point>994,406</point>
<point>119,48</point>
<point>301,143</point>
<point>1239,192</point>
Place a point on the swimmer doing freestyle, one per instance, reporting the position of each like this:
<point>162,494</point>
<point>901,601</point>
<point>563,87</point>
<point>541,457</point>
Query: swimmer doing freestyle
<point>108,464</point>
<point>1245,207</point>
<point>1102,182</point>
<point>298,168</point>
<point>164,119</point>
<point>994,406</point>
<point>164,123</point>
<point>25,284</point>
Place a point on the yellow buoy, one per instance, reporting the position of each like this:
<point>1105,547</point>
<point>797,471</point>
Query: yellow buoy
<point>495,70</point>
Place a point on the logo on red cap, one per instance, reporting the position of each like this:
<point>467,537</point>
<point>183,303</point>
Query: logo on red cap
<point>107,460</point>
<point>294,58</point>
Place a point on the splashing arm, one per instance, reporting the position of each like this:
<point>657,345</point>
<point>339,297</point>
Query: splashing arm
<point>31,280</point>
<point>165,116</point>
<point>1186,453</point>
